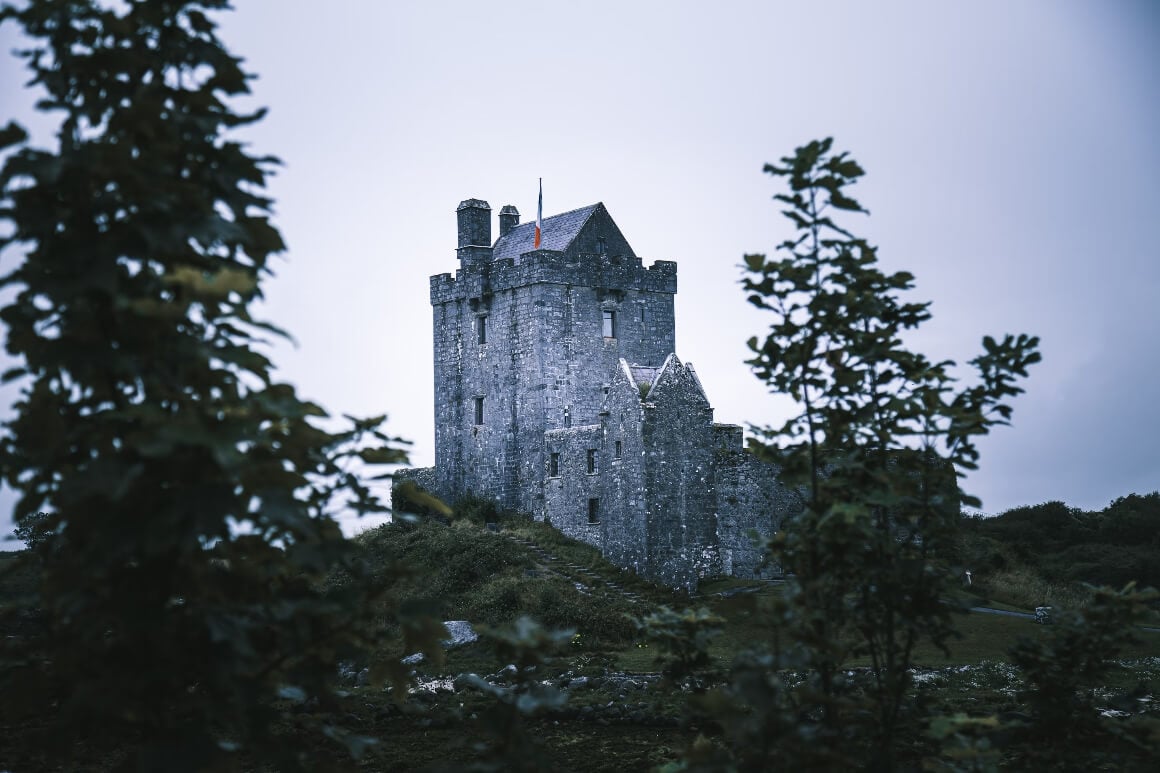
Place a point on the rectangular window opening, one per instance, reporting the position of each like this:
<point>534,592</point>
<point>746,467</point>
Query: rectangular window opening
<point>591,461</point>
<point>593,511</point>
<point>609,324</point>
<point>554,466</point>
<point>481,330</point>
<point>479,410</point>
<point>619,448</point>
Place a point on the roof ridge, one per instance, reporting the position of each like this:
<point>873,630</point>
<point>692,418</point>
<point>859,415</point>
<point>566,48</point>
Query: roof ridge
<point>570,212</point>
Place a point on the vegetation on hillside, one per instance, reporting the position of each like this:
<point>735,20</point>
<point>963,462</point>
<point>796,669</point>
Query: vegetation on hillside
<point>1067,546</point>
<point>463,571</point>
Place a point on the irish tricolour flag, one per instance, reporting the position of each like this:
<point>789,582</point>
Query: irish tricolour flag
<point>539,213</point>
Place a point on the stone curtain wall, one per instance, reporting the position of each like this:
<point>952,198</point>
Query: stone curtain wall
<point>750,498</point>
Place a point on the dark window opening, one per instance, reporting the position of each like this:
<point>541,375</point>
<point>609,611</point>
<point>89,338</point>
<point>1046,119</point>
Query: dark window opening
<point>481,330</point>
<point>619,448</point>
<point>601,246</point>
<point>479,410</point>
<point>610,324</point>
<point>554,466</point>
<point>642,315</point>
<point>593,511</point>
<point>567,418</point>
<point>591,461</point>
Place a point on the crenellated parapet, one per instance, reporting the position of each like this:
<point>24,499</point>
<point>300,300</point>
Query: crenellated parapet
<point>551,267</point>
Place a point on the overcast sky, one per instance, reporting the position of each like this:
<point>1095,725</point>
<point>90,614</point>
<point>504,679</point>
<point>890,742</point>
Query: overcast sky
<point>1011,149</point>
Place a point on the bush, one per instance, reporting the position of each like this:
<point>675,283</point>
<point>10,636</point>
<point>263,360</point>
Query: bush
<point>479,510</point>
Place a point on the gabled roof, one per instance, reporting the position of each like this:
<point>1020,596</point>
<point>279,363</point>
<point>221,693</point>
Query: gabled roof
<point>679,374</point>
<point>557,232</point>
<point>561,234</point>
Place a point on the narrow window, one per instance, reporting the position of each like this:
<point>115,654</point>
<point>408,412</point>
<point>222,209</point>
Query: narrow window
<point>618,449</point>
<point>479,410</point>
<point>591,461</point>
<point>601,246</point>
<point>481,330</point>
<point>609,324</point>
<point>554,466</point>
<point>593,511</point>
<point>567,418</point>
<point>642,316</point>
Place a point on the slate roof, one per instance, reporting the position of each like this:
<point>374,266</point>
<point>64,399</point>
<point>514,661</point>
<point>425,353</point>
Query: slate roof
<point>558,231</point>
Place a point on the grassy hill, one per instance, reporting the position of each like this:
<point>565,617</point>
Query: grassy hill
<point>624,710</point>
<point>617,705</point>
<point>469,572</point>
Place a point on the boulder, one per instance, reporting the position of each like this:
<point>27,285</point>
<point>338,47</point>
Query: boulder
<point>460,631</point>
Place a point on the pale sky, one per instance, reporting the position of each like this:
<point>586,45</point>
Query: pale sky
<point>1012,165</point>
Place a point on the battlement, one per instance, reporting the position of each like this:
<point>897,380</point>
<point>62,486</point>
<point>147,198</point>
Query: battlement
<point>552,267</point>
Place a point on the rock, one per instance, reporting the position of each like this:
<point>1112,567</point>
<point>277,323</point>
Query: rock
<point>349,674</point>
<point>579,683</point>
<point>504,676</point>
<point>1043,615</point>
<point>461,632</point>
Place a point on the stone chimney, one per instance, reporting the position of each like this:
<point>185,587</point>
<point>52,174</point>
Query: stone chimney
<point>474,218</point>
<point>509,218</point>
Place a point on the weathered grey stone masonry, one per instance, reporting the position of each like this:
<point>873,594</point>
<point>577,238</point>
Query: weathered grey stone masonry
<point>558,393</point>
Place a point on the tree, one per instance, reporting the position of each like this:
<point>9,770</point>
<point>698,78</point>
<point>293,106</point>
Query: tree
<point>189,495</point>
<point>878,440</point>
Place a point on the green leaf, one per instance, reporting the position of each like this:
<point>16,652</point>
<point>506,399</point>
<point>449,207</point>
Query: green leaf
<point>12,134</point>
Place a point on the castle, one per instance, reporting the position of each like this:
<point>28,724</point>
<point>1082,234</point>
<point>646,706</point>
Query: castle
<point>558,393</point>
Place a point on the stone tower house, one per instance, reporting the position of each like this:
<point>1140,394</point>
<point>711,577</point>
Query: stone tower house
<point>558,393</point>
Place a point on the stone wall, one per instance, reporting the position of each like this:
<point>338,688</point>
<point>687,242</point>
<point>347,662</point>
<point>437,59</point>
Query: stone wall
<point>568,491</point>
<point>678,476</point>
<point>750,499</point>
<point>542,362</point>
<point>624,496</point>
